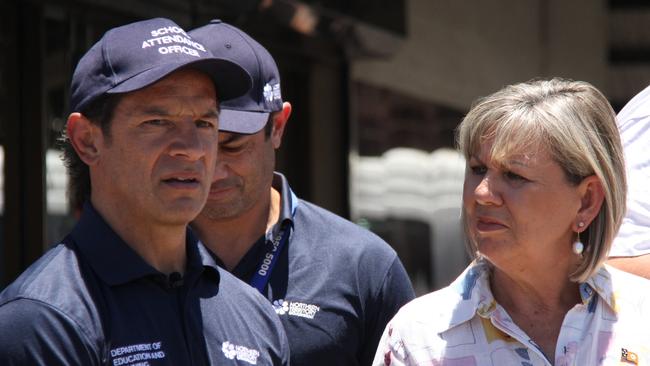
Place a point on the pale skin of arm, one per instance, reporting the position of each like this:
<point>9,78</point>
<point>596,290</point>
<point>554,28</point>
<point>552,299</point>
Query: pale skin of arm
<point>639,266</point>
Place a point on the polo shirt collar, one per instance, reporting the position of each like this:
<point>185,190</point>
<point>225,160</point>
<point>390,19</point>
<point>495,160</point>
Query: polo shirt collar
<point>113,260</point>
<point>200,255</point>
<point>288,203</point>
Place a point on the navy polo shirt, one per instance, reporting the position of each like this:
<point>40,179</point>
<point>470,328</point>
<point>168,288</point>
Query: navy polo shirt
<point>92,300</point>
<point>335,285</point>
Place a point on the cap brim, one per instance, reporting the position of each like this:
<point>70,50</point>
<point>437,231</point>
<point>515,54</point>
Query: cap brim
<point>244,122</point>
<point>231,80</point>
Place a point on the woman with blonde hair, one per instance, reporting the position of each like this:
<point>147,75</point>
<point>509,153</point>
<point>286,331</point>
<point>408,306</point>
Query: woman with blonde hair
<point>543,197</point>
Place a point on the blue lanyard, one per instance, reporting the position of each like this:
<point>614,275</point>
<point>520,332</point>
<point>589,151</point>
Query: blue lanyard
<point>263,272</point>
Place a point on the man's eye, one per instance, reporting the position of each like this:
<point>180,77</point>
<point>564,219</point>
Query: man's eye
<point>205,124</point>
<point>231,148</point>
<point>156,122</point>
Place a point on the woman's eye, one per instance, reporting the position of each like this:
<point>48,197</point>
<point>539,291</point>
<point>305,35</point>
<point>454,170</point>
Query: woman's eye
<point>478,169</point>
<point>514,177</point>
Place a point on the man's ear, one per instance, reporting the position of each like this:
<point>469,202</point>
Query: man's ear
<point>592,196</point>
<point>85,137</point>
<point>279,123</point>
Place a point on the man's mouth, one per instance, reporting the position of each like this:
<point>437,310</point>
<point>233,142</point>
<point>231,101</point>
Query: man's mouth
<point>182,181</point>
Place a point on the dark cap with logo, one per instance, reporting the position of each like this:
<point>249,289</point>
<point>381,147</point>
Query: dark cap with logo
<point>249,113</point>
<point>136,55</point>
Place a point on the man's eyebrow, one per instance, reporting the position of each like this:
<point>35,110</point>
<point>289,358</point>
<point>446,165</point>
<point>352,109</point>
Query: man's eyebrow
<point>211,114</point>
<point>154,110</point>
<point>161,111</point>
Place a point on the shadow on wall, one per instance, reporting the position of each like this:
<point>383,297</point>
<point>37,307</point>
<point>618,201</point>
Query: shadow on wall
<point>412,199</point>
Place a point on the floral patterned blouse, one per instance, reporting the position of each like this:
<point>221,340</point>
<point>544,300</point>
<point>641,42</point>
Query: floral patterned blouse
<point>462,325</point>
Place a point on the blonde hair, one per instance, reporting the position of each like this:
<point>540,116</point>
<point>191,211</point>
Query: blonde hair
<point>576,123</point>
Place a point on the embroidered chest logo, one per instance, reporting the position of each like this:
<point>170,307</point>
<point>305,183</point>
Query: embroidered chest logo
<point>295,308</point>
<point>241,353</point>
<point>137,354</point>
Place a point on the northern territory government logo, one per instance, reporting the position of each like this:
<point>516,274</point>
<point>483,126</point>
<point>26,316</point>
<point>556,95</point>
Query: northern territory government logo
<point>241,353</point>
<point>295,308</point>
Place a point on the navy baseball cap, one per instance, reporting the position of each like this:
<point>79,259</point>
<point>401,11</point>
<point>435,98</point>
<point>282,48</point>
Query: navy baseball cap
<point>249,113</point>
<point>136,55</point>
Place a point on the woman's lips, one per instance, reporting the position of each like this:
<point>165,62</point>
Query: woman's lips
<point>489,224</point>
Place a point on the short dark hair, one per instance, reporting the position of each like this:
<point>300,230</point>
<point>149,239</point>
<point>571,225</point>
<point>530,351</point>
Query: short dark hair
<point>268,127</point>
<point>100,111</point>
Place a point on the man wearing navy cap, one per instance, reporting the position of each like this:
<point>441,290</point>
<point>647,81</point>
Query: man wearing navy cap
<point>333,284</point>
<point>131,285</point>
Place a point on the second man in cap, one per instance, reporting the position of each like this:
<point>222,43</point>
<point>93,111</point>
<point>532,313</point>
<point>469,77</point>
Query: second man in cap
<point>333,284</point>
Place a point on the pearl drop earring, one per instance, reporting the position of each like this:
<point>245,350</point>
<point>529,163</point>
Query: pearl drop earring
<point>578,247</point>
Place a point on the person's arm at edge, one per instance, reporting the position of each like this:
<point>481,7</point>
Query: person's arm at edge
<point>639,265</point>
